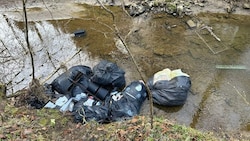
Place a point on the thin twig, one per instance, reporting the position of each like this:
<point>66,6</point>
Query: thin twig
<point>14,33</point>
<point>53,73</point>
<point>123,8</point>
<point>244,98</point>
<point>27,40</point>
<point>109,11</point>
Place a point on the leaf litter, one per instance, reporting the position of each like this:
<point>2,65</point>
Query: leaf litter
<point>24,123</point>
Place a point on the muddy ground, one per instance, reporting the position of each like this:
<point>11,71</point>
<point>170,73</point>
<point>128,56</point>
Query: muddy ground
<point>157,39</point>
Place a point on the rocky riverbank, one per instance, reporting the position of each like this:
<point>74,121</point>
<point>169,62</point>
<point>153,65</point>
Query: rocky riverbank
<point>174,7</point>
<point>181,8</point>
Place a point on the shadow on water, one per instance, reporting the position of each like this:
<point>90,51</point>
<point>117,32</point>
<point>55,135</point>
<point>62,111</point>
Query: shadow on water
<point>169,109</point>
<point>219,96</point>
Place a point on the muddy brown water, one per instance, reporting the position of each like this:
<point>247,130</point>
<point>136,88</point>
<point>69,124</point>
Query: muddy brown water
<point>219,98</point>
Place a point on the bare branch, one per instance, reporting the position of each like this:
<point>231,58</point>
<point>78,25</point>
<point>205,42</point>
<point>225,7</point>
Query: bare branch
<point>109,11</point>
<point>117,33</point>
<point>27,39</point>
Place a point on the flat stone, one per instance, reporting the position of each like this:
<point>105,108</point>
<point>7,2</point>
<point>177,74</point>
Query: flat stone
<point>246,6</point>
<point>180,9</point>
<point>191,23</point>
<point>201,4</point>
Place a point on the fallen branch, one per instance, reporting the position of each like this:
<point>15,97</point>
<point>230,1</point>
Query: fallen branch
<point>109,11</point>
<point>117,33</point>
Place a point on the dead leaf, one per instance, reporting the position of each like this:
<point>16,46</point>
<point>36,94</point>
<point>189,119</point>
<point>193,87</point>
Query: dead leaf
<point>66,132</point>
<point>134,119</point>
<point>100,128</point>
<point>121,134</point>
<point>32,117</point>
<point>164,129</point>
<point>2,136</point>
<point>27,131</point>
<point>44,128</point>
<point>139,137</point>
<point>79,125</point>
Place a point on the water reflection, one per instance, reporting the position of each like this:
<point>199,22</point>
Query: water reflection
<point>227,94</point>
<point>52,49</point>
<point>222,96</point>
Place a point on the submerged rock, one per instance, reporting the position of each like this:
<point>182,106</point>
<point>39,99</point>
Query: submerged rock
<point>136,10</point>
<point>180,9</point>
<point>191,23</point>
<point>246,6</point>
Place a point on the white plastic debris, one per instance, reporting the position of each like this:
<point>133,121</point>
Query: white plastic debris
<point>191,24</point>
<point>80,96</point>
<point>64,103</point>
<point>89,102</point>
<point>67,106</point>
<point>50,105</point>
<point>116,95</point>
<point>61,101</point>
<point>167,74</point>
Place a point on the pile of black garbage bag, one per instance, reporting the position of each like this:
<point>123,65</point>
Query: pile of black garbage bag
<point>101,93</point>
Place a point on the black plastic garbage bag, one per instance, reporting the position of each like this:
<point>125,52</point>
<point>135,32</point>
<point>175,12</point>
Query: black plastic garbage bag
<point>63,83</point>
<point>129,103</point>
<point>48,89</point>
<point>170,92</point>
<point>80,68</point>
<point>115,107</point>
<point>85,85</point>
<point>77,80</point>
<point>108,74</point>
<point>83,113</point>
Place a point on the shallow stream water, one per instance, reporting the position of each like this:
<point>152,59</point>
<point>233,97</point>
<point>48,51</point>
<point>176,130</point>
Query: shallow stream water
<point>219,69</point>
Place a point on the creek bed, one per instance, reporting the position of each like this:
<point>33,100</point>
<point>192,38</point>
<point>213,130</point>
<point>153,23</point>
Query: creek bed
<point>219,98</point>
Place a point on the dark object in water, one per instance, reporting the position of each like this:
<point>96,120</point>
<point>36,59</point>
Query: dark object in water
<point>170,92</point>
<point>80,33</point>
